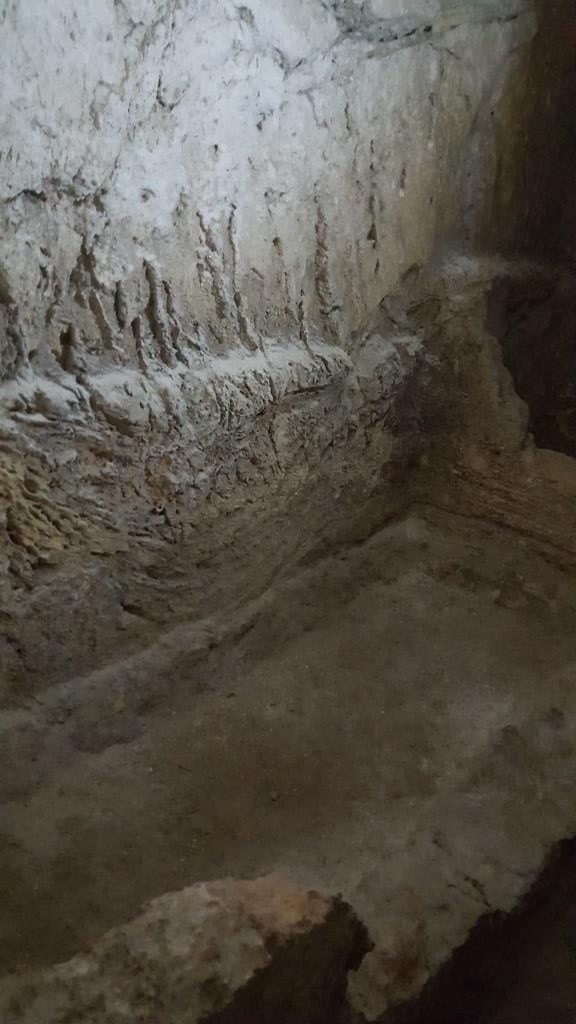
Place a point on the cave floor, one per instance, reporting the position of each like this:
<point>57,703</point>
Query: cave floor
<point>399,725</point>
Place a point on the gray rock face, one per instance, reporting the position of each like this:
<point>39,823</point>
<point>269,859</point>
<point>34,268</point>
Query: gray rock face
<point>245,252</point>
<point>222,953</point>
<point>212,219</point>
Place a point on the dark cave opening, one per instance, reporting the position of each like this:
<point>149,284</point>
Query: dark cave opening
<point>534,320</point>
<point>517,968</point>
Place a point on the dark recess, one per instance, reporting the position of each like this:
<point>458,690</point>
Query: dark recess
<point>535,323</point>
<point>514,969</point>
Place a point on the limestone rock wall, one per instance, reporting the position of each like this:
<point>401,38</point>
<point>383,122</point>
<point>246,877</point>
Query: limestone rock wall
<point>211,219</point>
<point>189,179</point>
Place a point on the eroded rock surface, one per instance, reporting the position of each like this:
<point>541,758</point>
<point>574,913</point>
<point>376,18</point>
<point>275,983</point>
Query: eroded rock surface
<point>219,953</point>
<point>395,723</point>
<point>243,313</point>
<point>211,218</point>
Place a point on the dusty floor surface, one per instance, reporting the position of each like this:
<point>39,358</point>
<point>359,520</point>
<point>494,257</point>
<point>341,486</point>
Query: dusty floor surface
<point>397,723</point>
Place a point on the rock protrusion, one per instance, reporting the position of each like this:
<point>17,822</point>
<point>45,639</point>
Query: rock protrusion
<point>225,952</point>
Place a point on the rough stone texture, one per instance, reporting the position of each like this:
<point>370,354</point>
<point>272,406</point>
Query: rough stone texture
<point>222,953</point>
<point>208,213</point>
<point>246,303</point>
<point>396,723</point>
<point>481,460</point>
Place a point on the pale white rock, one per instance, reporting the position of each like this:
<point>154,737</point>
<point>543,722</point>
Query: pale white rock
<point>273,168</point>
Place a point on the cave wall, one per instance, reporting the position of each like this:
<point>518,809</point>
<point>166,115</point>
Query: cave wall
<point>214,221</point>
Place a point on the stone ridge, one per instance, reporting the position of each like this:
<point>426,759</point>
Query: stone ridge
<point>360,21</point>
<point>229,951</point>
